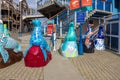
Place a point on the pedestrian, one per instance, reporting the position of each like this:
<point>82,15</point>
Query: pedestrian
<point>88,44</point>
<point>54,38</point>
<point>89,33</point>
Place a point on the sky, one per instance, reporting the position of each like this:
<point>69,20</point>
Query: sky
<point>31,3</point>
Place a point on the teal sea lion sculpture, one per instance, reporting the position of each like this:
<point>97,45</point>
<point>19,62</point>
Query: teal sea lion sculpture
<point>10,50</point>
<point>69,47</point>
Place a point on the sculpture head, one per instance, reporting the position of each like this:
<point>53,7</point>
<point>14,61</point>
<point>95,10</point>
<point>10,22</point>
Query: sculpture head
<point>71,24</point>
<point>36,23</point>
<point>91,23</point>
<point>6,32</point>
<point>36,34</point>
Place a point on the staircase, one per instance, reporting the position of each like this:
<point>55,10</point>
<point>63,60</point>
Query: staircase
<point>50,8</point>
<point>100,9</point>
<point>88,15</point>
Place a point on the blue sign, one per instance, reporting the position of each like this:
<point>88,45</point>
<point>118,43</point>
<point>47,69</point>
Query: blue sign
<point>80,17</point>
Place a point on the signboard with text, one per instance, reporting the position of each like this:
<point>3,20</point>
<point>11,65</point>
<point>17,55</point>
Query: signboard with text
<point>80,17</point>
<point>74,4</point>
<point>86,3</point>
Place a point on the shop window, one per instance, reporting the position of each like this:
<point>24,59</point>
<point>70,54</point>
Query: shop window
<point>107,41</point>
<point>108,29</point>
<point>114,29</point>
<point>114,43</point>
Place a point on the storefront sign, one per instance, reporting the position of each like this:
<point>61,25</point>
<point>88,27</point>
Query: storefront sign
<point>86,3</point>
<point>74,4</point>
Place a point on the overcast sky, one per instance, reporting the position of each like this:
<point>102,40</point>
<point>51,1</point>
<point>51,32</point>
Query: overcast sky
<point>31,3</point>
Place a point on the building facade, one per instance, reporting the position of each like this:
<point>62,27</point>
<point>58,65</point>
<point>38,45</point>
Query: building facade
<point>11,13</point>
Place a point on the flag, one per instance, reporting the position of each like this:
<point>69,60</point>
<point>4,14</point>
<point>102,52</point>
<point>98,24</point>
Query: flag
<point>86,3</point>
<point>74,4</point>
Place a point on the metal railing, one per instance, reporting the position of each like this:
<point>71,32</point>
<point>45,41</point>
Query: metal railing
<point>102,5</point>
<point>112,32</point>
<point>43,2</point>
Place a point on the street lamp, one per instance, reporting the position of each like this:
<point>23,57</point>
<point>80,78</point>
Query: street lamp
<point>8,15</point>
<point>20,29</point>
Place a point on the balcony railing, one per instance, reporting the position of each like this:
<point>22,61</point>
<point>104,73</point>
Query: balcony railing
<point>96,4</point>
<point>101,5</point>
<point>42,2</point>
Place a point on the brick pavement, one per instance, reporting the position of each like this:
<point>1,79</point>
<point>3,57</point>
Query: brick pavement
<point>103,65</point>
<point>18,71</point>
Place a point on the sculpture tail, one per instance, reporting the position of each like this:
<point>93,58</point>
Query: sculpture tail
<point>18,48</point>
<point>5,55</point>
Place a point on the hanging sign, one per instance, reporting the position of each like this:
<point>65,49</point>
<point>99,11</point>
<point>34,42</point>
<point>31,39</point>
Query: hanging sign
<point>80,17</point>
<point>74,4</point>
<point>86,3</point>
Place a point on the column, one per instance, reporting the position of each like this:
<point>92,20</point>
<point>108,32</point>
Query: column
<point>44,29</point>
<point>57,20</point>
<point>95,4</point>
<point>104,5</point>
<point>65,2</point>
<point>111,7</point>
<point>20,29</point>
<point>119,37</point>
<point>68,15</point>
<point>99,21</point>
<point>75,19</point>
<point>104,24</point>
<point>54,38</point>
<point>8,16</point>
<point>80,50</point>
<point>57,23</point>
<point>61,28</point>
<point>62,2</point>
